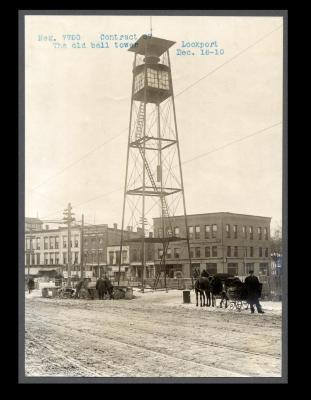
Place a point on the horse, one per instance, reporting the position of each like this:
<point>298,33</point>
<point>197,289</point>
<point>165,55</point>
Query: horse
<point>217,288</point>
<point>103,287</point>
<point>202,286</point>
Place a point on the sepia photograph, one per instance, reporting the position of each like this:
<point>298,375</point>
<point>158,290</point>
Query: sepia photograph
<point>152,222</point>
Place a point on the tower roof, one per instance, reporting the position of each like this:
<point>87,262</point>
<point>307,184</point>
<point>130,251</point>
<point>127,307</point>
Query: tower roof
<point>152,46</point>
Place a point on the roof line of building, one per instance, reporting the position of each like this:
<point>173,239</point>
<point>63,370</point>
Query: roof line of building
<point>218,213</point>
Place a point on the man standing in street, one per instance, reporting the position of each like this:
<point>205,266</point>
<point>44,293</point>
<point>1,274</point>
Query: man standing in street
<point>252,287</point>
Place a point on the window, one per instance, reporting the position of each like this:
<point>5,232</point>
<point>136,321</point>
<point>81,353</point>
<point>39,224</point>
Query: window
<point>176,231</point>
<point>259,231</point>
<point>207,231</point>
<point>152,77</point>
<point>244,230</point>
<point>64,242</point>
<point>51,258</point>
<point>229,251</point>
<point>251,250</point>
<point>27,244</point>
<point>190,232</point>
<point>169,253</point>
<point>249,267</point>
<point>163,80</point>
<point>160,232</point>
<point>251,233</point>
<point>139,82</point>
<point>56,258</point>
<point>266,233</point>
<point>124,256</point>
<point>64,258</point>
<point>235,253</point>
<point>76,257</point>
<point>101,241</point>
<point>207,251</point>
<point>52,241</point>
<point>235,231</point>
<point>111,256</point>
<point>197,252</point>
<point>214,251</point>
<point>28,259</point>
<point>228,230</point>
<point>176,253</point>
<point>211,268</point>
<point>38,243</point>
<point>169,232</point>
<point>197,232</point>
<point>32,259</point>
<point>214,231</point>
<point>266,252</point>
<point>160,253</point>
<point>233,269</point>
<point>46,246</point>
<point>38,258</point>
<point>46,259</point>
<point>263,269</point>
<point>118,257</point>
<point>76,241</point>
<point>191,252</point>
<point>85,242</point>
<point>260,251</point>
<point>157,79</point>
<point>56,242</point>
<point>245,252</point>
<point>93,243</point>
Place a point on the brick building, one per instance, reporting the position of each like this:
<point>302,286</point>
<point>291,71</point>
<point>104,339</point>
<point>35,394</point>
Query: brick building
<point>46,250</point>
<point>219,242</point>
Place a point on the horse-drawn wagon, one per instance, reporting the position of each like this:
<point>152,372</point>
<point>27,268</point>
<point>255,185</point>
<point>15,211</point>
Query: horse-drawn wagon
<point>237,297</point>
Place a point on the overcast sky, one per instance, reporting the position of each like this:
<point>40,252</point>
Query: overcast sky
<point>78,104</point>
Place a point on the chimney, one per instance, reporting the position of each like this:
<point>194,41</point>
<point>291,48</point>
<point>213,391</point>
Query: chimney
<point>115,226</point>
<point>47,227</point>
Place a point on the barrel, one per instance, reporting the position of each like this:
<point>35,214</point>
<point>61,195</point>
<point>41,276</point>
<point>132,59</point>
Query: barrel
<point>186,296</point>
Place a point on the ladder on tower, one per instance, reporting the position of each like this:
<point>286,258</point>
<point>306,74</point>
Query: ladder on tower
<point>138,135</point>
<point>140,121</point>
<point>164,205</point>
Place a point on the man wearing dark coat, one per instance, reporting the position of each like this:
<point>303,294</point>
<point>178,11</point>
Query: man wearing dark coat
<point>31,284</point>
<point>252,287</point>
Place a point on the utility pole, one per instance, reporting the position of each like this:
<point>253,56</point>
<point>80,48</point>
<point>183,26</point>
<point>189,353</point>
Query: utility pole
<point>82,247</point>
<point>68,219</point>
<point>98,273</point>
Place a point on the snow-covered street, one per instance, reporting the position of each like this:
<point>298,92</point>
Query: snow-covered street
<point>152,335</point>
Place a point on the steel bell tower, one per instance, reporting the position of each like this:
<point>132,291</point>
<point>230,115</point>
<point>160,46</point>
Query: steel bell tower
<point>153,179</point>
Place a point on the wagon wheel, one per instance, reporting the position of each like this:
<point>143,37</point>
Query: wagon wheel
<point>239,305</point>
<point>117,294</point>
<point>245,305</point>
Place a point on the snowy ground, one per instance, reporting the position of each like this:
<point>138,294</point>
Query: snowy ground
<point>153,335</point>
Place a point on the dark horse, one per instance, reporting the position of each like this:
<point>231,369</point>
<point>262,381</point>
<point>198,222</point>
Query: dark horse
<point>202,286</point>
<point>217,288</point>
<point>104,287</point>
